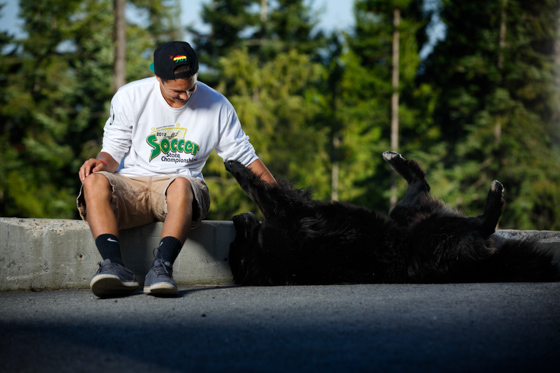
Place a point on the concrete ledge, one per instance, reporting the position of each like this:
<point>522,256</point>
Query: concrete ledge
<point>55,254</point>
<point>547,239</point>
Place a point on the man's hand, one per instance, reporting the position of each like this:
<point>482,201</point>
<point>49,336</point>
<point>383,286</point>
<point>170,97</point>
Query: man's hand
<point>103,162</point>
<point>90,166</point>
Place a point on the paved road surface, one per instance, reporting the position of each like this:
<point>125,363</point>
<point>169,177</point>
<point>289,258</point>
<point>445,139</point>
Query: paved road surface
<point>352,328</point>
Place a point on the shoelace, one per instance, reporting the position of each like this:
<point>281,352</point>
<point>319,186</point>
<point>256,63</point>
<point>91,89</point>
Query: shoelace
<point>160,268</point>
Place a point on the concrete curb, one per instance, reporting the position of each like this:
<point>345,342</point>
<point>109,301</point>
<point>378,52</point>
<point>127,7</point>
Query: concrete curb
<point>56,254</point>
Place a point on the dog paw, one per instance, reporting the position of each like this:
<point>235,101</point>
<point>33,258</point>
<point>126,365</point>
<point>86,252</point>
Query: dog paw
<point>245,225</point>
<point>389,156</point>
<point>497,187</point>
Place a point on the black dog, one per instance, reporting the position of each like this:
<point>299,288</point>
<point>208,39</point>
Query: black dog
<point>304,241</point>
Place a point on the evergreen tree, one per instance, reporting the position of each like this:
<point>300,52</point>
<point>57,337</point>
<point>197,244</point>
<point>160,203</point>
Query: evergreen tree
<point>285,26</point>
<point>8,154</point>
<point>262,56</point>
<point>265,28</point>
<point>366,91</point>
<point>497,107</point>
<point>227,20</point>
<point>58,88</point>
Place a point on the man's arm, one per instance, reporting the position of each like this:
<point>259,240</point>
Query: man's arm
<point>103,162</point>
<point>258,168</point>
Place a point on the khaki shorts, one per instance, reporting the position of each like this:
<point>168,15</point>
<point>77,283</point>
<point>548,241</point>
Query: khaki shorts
<point>141,200</point>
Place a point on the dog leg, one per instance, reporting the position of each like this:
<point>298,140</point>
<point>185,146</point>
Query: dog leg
<point>242,248</point>
<point>409,169</point>
<point>495,205</point>
<point>418,188</point>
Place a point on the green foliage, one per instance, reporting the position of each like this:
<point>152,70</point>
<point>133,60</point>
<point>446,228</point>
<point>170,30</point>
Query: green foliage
<point>497,108</point>
<point>276,107</point>
<point>481,106</point>
<point>264,64</point>
<point>55,96</point>
<point>365,98</point>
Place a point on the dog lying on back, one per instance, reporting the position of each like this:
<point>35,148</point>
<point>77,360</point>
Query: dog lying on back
<point>305,241</point>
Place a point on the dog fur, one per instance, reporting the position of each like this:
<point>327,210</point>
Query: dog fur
<point>306,241</point>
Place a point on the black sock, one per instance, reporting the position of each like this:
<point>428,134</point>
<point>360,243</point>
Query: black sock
<point>169,249</point>
<point>109,248</point>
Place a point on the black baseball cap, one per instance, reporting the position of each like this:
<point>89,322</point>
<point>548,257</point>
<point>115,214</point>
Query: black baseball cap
<point>171,55</point>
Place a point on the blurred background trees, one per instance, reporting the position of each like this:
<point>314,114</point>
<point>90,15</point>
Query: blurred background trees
<point>483,105</point>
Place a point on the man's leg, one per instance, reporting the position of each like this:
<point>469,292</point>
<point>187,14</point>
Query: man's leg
<point>112,278</point>
<point>176,228</point>
<point>100,215</point>
<point>179,210</point>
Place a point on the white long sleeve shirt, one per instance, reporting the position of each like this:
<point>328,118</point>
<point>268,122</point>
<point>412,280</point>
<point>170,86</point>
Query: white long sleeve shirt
<point>150,138</point>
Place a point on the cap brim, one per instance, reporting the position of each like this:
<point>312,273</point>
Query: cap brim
<point>152,67</point>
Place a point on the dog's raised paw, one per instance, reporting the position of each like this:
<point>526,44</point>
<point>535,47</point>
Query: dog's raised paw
<point>497,187</point>
<point>389,156</point>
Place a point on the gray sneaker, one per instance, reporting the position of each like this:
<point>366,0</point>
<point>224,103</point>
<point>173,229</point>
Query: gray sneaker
<point>113,280</point>
<point>159,280</point>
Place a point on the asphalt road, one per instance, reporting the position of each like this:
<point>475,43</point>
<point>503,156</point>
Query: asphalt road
<point>343,328</point>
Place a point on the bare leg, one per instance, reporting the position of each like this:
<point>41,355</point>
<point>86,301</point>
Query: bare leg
<point>100,215</point>
<point>112,279</point>
<point>179,210</point>
<point>176,228</point>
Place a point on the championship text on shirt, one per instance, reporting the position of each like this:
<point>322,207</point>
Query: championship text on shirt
<point>176,158</point>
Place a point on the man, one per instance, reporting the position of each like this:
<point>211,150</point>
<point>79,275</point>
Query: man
<point>156,141</point>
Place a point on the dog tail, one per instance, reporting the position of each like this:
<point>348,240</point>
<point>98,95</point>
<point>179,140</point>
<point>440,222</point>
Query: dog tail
<point>520,260</point>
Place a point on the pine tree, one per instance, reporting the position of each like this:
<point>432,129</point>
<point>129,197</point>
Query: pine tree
<point>59,85</point>
<point>496,107</point>
<point>366,92</point>
<point>268,72</point>
<point>227,21</point>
